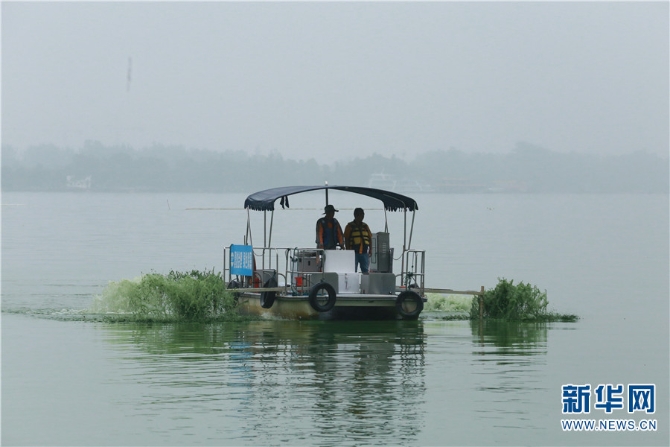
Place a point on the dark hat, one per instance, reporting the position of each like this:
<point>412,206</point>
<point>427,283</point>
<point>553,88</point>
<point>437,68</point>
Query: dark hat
<point>329,209</point>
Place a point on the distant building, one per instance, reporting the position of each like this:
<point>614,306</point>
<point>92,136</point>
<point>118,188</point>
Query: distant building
<point>74,183</point>
<point>381,180</point>
<point>408,186</point>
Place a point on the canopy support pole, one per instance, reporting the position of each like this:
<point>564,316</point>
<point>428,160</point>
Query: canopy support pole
<point>265,228</point>
<point>272,218</point>
<point>247,237</point>
<point>404,246</point>
<point>386,222</point>
<point>326,183</point>
<point>411,231</point>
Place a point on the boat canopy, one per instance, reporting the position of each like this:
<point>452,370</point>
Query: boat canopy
<point>265,200</point>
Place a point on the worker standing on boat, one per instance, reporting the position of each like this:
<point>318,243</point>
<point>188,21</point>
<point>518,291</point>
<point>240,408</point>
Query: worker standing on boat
<point>328,230</point>
<point>358,237</point>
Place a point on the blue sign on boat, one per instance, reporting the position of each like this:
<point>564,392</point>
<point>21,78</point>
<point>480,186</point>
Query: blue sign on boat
<point>241,260</point>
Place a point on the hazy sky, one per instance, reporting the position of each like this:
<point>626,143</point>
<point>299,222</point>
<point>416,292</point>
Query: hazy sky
<point>338,79</point>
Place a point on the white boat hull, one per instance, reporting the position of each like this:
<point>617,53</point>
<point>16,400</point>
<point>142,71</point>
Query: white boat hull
<point>349,306</point>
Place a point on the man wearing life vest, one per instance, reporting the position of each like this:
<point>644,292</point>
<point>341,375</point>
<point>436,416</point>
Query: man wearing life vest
<point>328,230</point>
<point>358,237</point>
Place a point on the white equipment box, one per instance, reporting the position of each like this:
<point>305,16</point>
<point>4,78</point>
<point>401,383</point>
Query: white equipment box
<point>339,261</point>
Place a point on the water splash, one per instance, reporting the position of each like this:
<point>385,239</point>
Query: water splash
<point>446,307</point>
<point>447,303</point>
<point>177,296</point>
<point>115,297</point>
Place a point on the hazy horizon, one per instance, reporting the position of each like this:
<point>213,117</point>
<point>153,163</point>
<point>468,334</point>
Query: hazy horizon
<point>338,80</point>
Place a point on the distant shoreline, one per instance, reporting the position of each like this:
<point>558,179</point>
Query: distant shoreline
<point>526,170</point>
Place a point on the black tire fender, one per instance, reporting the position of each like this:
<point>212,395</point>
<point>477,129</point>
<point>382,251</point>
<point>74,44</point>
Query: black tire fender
<point>314,292</point>
<point>268,298</point>
<point>409,296</point>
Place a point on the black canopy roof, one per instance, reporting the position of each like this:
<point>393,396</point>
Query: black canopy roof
<point>265,200</point>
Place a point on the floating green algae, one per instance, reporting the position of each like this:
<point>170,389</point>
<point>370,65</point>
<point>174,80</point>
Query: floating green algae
<point>448,307</point>
<point>177,296</point>
<point>520,302</point>
<point>447,303</point>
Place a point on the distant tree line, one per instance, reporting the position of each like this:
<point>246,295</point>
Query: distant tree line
<point>526,169</point>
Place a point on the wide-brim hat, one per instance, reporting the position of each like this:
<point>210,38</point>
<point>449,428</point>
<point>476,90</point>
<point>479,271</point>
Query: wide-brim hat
<point>329,209</point>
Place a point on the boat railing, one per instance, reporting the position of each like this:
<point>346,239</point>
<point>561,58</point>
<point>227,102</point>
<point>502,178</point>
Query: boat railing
<point>293,269</point>
<point>267,258</point>
<point>264,264</point>
<point>301,264</point>
<point>413,274</point>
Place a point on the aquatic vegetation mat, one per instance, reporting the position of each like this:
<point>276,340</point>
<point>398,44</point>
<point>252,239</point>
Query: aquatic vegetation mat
<point>519,302</point>
<point>447,307</point>
<point>177,296</point>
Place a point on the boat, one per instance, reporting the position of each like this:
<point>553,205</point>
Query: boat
<point>312,283</point>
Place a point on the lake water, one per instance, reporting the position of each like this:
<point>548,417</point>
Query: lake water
<point>69,381</point>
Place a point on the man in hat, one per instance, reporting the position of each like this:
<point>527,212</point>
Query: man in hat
<point>328,230</point>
